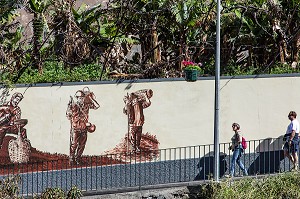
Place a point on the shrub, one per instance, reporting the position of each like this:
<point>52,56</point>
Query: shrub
<point>9,187</point>
<point>282,186</point>
<point>55,193</point>
<point>74,193</point>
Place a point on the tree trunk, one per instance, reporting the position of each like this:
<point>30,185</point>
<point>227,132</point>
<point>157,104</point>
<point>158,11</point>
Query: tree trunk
<point>281,52</point>
<point>181,47</point>
<point>37,37</point>
<point>296,44</point>
<point>155,46</point>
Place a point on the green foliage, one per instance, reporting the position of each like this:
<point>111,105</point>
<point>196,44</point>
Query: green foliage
<point>11,34</point>
<point>280,187</point>
<point>74,193</point>
<point>53,193</point>
<point>55,72</point>
<point>38,6</point>
<point>256,35</point>
<point>209,190</point>
<point>8,11</point>
<point>9,187</point>
<point>284,68</point>
<point>58,193</point>
<point>193,67</point>
<point>234,70</point>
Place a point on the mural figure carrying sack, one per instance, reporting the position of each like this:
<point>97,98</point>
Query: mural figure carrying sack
<point>11,123</point>
<point>78,114</point>
<point>136,144</point>
<point>134,105</point>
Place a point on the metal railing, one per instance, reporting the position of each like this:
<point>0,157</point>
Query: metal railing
<point>124,170</point>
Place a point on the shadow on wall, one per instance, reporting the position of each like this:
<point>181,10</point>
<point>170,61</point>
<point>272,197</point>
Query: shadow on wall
<point>268,157</point>
<point>206,166</point>
<point>270,144</point>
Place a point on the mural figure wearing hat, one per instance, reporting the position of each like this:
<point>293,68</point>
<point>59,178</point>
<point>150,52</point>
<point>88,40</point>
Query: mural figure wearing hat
<point>78,114</point>
<point>10,118</point>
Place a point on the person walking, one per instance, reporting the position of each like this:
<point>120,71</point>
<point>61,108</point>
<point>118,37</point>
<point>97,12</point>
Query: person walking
<point>292,142</point>
<point>236,147</point>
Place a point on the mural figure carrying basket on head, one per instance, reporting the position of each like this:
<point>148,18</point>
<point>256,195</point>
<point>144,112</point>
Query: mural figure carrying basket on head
<point>11,123</point>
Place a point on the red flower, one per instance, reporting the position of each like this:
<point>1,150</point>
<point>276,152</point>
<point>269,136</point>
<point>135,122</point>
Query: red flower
<point>187,63</point>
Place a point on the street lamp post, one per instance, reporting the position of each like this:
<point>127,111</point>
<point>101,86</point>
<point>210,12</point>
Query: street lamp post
<point>217,97</point>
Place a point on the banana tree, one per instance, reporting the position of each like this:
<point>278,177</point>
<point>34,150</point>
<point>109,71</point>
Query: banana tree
<point>267,31</point>
<point>103,36</point>
<point>10,36</point>
<point>81,34</point>
<point>38,9</point>
<point>142,18</point>
<point>92,26</point>
<point>190,20</point>
<point>290,20</point>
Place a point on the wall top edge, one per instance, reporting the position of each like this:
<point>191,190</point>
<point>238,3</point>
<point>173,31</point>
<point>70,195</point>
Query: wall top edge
<point>121,81</point>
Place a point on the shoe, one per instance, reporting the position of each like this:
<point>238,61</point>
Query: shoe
<point>228,176</point>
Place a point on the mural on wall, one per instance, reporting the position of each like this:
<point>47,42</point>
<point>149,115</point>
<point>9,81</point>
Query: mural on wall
<point>11,123</point>
<point>78,114</point>
<point>135,140</point>
<point>15,147</point>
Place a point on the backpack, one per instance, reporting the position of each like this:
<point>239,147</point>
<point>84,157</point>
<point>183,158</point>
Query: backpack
<point>244,143</point>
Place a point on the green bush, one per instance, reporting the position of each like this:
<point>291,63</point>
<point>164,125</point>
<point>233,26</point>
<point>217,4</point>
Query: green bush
<point>53,193</point>
<point>282,186</point>
<point>58,193</point>
<point>53,72</point>
<point>74,193</point>
<point>283,68</point>
<point>9,187</point>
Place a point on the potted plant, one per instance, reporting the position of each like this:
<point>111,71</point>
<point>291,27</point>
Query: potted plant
<point>192,70</point>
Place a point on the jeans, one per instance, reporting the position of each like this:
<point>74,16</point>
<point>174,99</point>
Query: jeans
<point>236,159</point>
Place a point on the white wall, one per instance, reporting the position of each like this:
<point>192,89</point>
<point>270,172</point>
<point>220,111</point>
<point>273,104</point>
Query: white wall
<point>181,114</point>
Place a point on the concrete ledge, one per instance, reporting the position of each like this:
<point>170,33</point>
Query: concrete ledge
<point>120,81</point>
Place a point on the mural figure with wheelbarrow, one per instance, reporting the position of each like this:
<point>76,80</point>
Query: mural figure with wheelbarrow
<point>78,114</point>
<point>11,123</point>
